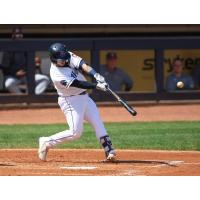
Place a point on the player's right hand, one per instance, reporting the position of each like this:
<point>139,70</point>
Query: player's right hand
<point>102,86</point>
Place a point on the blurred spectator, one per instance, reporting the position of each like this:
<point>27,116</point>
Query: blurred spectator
<point>15,66</point>
<point>176,76</point>
<point>114,76</point>
<point>38,65</point>
<point>196,77</point>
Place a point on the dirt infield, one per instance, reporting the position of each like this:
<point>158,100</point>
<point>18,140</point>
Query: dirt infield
<point>90,162</point>
<point>190,112</point>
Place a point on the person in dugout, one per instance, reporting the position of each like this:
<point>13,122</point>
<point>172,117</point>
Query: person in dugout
<point>14,67</point>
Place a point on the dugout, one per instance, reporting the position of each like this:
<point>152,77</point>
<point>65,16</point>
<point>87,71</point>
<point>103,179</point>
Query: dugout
<point>144,52</point>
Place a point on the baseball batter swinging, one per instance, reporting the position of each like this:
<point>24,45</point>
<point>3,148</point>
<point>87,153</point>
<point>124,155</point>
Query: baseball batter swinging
<point>74,101</point>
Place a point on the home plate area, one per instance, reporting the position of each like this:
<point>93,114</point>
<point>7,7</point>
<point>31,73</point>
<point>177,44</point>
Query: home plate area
<point>84,162</point>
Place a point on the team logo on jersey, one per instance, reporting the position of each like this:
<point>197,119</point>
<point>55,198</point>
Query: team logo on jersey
<point>73,74</point>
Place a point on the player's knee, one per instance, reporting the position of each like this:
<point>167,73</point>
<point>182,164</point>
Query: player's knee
<point>10,82</point>
<point>77,132</point>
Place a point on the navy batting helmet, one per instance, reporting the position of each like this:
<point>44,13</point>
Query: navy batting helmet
<point>58,51</point>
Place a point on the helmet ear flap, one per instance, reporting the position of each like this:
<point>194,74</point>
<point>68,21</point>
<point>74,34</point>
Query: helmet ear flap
<point>53,60</point>
<point>68,58</point>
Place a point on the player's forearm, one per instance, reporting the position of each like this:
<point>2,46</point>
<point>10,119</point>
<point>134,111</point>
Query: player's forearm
<point>83,84</point>
<point>89,70</point>
<point>88,85</point>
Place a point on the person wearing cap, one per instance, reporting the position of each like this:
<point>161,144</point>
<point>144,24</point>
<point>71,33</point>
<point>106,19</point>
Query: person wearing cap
<point>14,66</point>
<point>116,78</point>
<point>176,76</point>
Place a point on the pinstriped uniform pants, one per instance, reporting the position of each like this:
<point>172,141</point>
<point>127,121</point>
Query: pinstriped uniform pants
<point>77,109</point>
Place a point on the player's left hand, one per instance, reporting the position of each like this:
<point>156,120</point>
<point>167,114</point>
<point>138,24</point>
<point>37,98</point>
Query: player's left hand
<point>102,86</point>
<point>99,78</point>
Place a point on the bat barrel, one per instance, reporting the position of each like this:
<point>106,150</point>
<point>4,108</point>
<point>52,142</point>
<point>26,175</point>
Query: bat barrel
<point>134,113</point>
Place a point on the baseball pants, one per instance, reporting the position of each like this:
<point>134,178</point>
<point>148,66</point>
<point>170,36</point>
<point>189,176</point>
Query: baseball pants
<point>77,109</point>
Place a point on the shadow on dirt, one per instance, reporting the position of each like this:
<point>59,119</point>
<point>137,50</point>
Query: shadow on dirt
<point>148,162</point>
<point>6,165</point>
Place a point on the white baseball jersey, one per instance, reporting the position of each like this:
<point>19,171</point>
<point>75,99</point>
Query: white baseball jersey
<point>76,108</point>
<point>67,74</point>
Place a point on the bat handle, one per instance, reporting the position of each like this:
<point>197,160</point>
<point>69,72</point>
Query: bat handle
<point>113,93</point>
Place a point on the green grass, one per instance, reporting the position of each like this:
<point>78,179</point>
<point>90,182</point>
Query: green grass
<point>138,135</point>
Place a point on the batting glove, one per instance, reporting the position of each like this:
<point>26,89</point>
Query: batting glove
<point>99,78</point>
<point>102,86</point>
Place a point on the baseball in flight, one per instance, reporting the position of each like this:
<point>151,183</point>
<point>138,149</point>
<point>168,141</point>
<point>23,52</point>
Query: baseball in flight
<point>180,84</point>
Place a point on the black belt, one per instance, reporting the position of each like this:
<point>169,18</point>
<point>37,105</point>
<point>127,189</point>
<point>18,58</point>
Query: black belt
<point>82,93</point>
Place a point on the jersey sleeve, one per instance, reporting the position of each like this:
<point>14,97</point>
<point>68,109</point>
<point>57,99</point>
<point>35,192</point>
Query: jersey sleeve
<point>75,61</point>
<point>67,83</point>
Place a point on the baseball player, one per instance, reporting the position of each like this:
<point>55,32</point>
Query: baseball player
<point>66,74</point>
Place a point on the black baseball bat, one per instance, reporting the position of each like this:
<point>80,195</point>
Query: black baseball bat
<point>124,103</point>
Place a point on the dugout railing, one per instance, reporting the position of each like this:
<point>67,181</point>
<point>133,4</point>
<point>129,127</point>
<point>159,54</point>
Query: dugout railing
<point>94,45</point>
